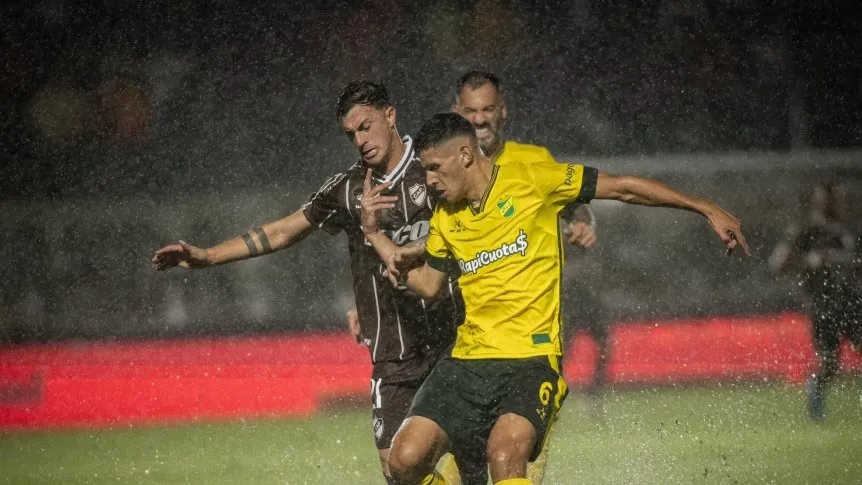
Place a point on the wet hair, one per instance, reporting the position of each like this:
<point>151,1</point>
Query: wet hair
<point>474,80</point>
<point>441,128</point>
<point>365,93</point>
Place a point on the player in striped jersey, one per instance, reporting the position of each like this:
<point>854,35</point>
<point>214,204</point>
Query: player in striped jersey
<point>404,333</point>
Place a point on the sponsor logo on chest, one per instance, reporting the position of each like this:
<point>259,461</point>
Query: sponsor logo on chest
<point>491,256</point>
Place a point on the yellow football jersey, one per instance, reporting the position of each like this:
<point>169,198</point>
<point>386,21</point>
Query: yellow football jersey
<point>524,153</point>
<point>510,255</point>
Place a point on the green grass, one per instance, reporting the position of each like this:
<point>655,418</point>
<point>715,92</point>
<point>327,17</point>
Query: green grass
<point>743,433</point>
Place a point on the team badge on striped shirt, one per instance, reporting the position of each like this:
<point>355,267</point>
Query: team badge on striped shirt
<point>417,194</point>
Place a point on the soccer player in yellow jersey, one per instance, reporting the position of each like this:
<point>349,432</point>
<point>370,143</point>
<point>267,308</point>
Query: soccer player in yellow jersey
<point>479,98</point>
<point>501,386</point>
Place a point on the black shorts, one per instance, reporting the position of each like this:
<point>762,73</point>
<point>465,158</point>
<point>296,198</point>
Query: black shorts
<point>465,398</point>
<point>389,405</point>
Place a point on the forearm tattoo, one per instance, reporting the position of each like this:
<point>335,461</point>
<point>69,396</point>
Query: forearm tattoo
<point>264,241</point>
<point>252,246</point>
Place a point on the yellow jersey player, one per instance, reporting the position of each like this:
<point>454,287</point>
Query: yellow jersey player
<point>500,388</point>
<point>479,98</point>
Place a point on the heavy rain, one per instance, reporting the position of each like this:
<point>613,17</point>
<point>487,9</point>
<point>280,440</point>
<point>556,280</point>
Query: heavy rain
<point>127,127</point>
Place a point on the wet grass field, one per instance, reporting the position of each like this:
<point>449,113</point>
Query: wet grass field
<point>742,433</point>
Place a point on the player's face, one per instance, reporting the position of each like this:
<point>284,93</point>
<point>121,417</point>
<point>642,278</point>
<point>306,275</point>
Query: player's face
<point>445,169</point>
<point>371,130</point>
<point>486,111</point>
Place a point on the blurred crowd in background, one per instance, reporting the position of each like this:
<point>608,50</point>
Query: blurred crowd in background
<point>128,125</point>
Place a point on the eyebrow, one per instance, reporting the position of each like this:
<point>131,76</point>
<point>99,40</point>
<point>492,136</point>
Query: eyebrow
<point>364,120</point>
<point>473,108</point>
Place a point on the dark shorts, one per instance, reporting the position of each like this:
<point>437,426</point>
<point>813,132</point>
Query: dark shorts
<point>465,398</point>
<point>389,405</point>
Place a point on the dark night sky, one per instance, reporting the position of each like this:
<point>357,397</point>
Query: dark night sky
<point>178,96</point>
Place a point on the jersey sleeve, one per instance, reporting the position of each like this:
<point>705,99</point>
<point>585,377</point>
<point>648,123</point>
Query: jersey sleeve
<point>574,211</point>
<point>325,209</point>
<point>564,183</point>
<point>437,252</point>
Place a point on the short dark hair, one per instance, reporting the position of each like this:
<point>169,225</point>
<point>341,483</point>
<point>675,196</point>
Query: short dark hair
<point>365,93</point>
<point>441,128</point>
<point>476,79</point>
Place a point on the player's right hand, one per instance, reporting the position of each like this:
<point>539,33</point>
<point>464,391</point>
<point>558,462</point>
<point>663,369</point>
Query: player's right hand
<point>728,228</point>
<point>182,254</point>
<point>373,203</point>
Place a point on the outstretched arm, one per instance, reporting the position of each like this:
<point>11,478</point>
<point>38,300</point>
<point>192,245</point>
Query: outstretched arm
<point>642,191</point>
<point>265,239</point>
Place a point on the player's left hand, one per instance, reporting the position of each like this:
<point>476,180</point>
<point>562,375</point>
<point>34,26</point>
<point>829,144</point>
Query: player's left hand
<point>373,203</point>
<point>580,234</point>
<point>728,228</point>
<point>353,325</point>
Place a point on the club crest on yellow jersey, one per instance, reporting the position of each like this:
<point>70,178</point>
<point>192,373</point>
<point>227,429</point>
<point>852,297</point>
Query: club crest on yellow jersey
<point>506,206</point>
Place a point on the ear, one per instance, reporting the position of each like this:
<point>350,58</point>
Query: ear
<point>455,108</point>
<point>389,113</point>
<point>465,155</point>
<point>504,111</point>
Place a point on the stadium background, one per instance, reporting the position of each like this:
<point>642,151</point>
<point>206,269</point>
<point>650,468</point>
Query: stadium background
<point>128,125</point>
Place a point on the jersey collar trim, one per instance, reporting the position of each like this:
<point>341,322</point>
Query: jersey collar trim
<point>401,168</point>
<point>486,193</point>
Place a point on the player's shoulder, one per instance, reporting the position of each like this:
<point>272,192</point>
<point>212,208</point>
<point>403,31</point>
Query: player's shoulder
<point>336,182</point>
<point>524,153</point>
<point>525,168</point>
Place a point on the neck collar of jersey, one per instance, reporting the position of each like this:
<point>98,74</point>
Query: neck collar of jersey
<point>400,169</point>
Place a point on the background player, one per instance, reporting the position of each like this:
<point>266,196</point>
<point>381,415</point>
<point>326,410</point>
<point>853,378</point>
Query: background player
<point>404,334</point>
<point>479,98</point>
<point>501,387</point>
<point>826,251</point>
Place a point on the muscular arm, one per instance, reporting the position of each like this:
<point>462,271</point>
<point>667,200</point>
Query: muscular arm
<point>642,191</point>
<point>425,281</point>
<point>268,238</point>
<point>383,245</point>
